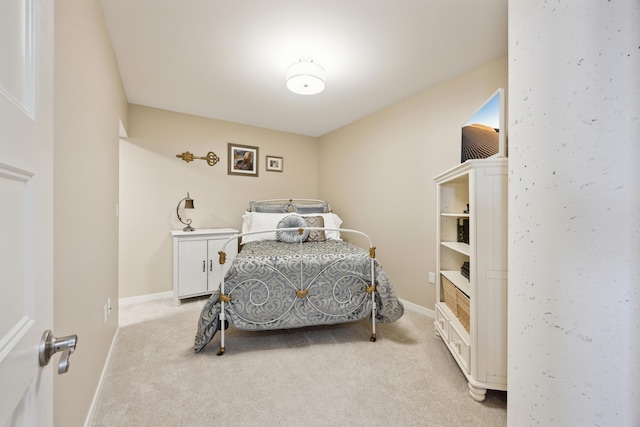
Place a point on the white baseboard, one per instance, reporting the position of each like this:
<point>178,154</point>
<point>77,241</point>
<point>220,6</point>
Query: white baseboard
<point>420,309</point>
<point>144,298</point>
<point>89,420</point>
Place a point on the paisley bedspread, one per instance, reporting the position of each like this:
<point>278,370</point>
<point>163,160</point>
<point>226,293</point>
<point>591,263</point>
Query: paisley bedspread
<point>276,285</point>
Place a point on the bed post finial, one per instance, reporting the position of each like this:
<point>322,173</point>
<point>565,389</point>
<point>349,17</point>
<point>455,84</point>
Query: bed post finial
<point>372,252</point>
<point>223,257</point>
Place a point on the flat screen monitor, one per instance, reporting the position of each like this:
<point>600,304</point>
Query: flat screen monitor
<point>484,134</point>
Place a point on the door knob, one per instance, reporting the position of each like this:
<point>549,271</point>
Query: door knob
<point>50,345</point>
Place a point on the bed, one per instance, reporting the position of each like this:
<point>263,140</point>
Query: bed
<point>295,269</point>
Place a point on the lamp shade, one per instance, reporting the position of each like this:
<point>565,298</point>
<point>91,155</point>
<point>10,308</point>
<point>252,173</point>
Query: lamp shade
<point>305,77</point>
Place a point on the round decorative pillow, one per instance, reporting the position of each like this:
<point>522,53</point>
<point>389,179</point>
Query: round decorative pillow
<point>292,236</point>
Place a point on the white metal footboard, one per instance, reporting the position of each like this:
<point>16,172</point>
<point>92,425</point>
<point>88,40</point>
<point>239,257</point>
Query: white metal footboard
<point>301,293</point>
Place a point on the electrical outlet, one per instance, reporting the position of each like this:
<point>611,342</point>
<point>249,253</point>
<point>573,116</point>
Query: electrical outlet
<point>432,277</point>
<point>106,313</point>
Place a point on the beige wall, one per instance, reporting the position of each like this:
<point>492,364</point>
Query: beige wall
<point>153,180</point>
<point>378,173</point>
<point>88,101</point>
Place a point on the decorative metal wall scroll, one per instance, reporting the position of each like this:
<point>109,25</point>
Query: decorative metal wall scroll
<point>211,157</point>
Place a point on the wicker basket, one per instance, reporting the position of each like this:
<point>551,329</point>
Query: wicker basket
<point>462,301</point>
<point>449,295</point>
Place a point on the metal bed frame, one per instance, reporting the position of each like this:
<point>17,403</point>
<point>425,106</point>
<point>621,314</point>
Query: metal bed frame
<point>301,293</point>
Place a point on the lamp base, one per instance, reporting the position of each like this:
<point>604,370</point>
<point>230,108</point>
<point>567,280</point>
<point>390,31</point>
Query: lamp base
<point>188,228</point>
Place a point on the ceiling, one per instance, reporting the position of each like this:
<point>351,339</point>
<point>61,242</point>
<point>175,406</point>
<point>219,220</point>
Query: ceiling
<point>227,59</point>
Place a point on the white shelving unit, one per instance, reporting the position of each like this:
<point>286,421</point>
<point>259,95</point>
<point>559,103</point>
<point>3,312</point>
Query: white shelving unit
<point>480,350</point>
<point>196,266</point>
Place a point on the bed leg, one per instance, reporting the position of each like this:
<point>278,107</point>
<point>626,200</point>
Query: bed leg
<point>373,317</point>
<point>222,320</point>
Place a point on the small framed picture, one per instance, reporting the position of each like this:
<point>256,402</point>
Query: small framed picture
<point>243,160</point>
<point>274,164</point>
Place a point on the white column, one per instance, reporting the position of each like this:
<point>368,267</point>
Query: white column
<point>574,213</point>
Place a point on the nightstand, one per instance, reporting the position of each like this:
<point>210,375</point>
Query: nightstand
<point>196,267</point>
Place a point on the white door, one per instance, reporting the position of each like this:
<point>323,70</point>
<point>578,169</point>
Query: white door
<point>26,209</point>
<point>192,267</point>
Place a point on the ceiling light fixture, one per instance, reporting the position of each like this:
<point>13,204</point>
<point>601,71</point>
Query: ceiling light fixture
<point>305,77</point>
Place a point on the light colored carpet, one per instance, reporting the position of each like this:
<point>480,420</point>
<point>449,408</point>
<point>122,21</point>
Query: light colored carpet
<point>319,376</point>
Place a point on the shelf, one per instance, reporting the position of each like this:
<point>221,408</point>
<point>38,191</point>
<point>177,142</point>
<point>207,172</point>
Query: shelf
<point>455,214</point>
<point>459,280</point>
<point>481,350</point>
<point>460,247</point>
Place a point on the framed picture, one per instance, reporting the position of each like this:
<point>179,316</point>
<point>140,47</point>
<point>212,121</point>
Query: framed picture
<point>274,163</point>
<point>243,160</point>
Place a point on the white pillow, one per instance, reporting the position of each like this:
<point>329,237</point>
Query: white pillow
<point>246,220</point>
<point>259,221</point>
<point>331,220</point>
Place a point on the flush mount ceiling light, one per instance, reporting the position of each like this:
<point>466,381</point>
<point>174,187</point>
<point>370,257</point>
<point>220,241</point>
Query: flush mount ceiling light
<point>305,77</point>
